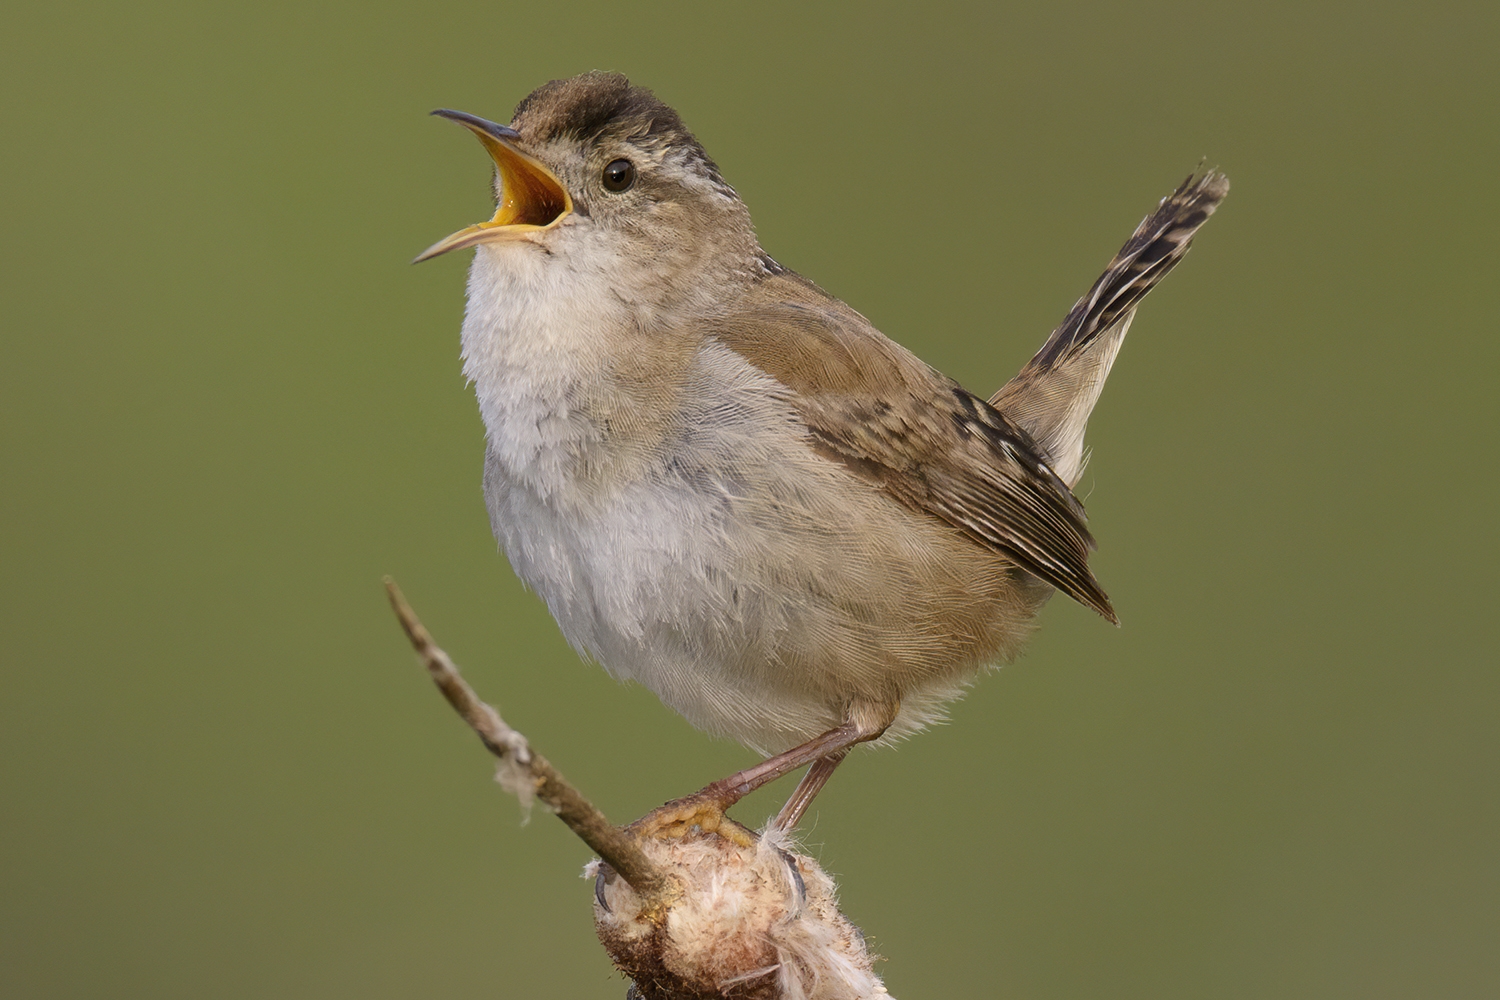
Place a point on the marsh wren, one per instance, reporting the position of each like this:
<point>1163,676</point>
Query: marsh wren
<point>729,486</point>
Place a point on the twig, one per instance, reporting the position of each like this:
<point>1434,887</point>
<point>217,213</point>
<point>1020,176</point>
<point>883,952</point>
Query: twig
<point>752,919</point>
<point>614,845</point>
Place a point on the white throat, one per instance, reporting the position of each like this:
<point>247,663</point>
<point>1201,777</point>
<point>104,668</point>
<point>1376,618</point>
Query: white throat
<point>535,346</point>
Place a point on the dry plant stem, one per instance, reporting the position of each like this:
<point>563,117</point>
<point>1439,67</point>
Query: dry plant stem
<point>615,846</point>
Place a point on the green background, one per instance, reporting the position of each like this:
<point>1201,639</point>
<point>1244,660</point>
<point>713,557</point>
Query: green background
<point>228,406</point>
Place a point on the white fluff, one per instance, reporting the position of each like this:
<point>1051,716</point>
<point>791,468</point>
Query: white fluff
<point>764,920</point>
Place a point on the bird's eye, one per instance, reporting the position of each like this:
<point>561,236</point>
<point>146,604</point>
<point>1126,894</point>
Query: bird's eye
<point>619,175</point>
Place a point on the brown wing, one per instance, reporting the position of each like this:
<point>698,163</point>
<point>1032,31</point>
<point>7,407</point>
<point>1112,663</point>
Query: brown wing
<point>873,405</point>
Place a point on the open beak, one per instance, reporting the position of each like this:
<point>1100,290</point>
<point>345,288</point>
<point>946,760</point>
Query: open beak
<point>531,196</point>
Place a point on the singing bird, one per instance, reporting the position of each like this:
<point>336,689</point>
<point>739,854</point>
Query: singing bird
<point>727,484</point>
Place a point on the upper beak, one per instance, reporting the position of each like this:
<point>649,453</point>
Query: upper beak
<point>531,196</point>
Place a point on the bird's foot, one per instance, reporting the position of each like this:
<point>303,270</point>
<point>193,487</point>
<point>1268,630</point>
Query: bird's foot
<point>680,816</point>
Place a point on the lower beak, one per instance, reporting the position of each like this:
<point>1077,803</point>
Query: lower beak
<point>531,196</point>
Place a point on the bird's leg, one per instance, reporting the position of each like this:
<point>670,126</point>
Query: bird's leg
<point>807,789</point>
<point>705,808</point>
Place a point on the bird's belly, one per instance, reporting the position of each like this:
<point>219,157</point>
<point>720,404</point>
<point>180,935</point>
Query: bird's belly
<point>762,612</point>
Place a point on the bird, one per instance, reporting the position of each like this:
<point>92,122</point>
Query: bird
<point>726,484</point>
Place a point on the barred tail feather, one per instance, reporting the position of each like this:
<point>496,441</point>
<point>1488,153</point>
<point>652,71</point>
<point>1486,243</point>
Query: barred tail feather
<point>1052,397</point>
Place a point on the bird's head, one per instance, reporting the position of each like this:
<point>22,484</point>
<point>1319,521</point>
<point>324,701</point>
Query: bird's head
<point>595,167</point>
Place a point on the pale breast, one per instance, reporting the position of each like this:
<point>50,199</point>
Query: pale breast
<point>755,586</point>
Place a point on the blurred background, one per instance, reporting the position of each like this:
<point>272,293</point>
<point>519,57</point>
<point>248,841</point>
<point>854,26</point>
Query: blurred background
<point>228,406</point>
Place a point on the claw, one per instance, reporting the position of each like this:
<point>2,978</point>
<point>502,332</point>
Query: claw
<point>679,817</point>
